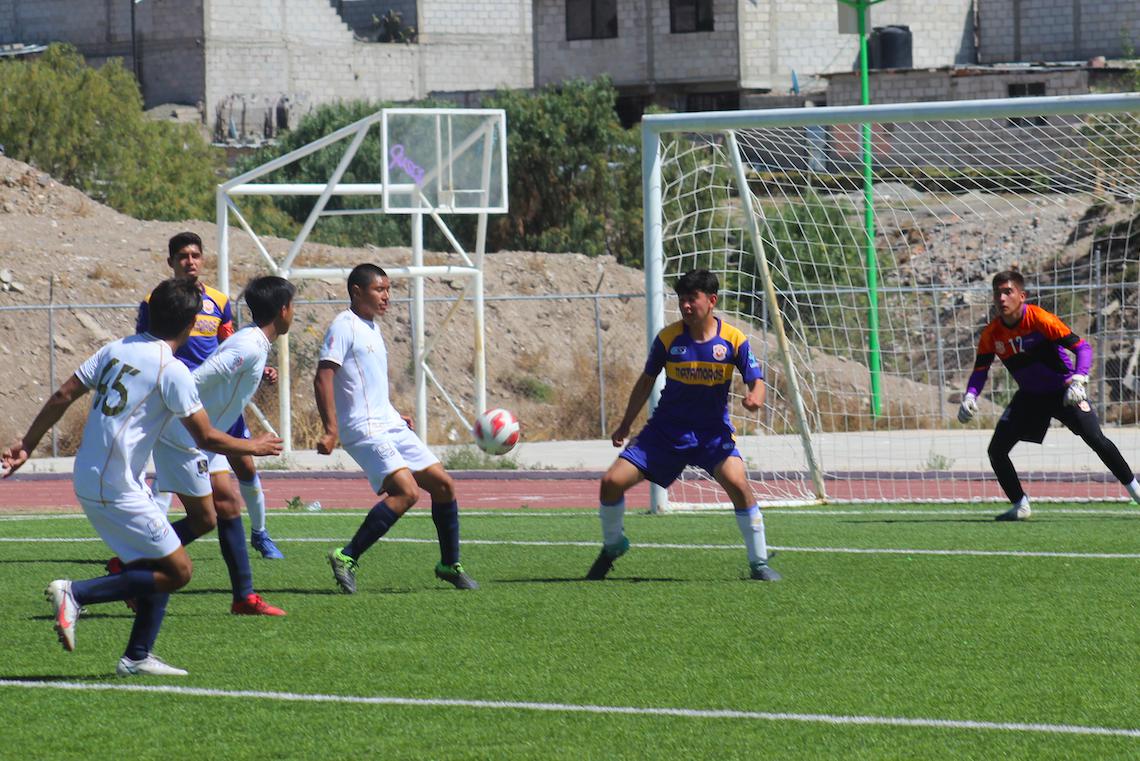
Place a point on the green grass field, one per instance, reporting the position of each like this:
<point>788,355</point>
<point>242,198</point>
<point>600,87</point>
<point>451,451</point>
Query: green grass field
<point>990,647</point>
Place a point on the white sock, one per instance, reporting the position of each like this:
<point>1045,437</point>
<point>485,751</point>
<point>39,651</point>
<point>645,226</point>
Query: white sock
<point>1133,490</point>
<point>254,499</point>
<point>751,525</point>
<point>612,522</point>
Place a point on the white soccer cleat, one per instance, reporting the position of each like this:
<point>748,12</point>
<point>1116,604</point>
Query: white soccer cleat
<point>151,665</point>
<point>58,593</point>
<point>1018,512</point>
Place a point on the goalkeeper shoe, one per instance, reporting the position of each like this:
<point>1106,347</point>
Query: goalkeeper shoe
<point>1016,513</point>
<point>151,665</point>
<point>606,560</point>
<point>763,572</point>
<point>263,544</point>
<point>455,575</point>
<point>66,610</point>
<point>344,571</point>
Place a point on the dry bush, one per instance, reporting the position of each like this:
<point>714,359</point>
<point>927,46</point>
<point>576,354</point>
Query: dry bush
<point>111,276</point>
<point>575,413</point>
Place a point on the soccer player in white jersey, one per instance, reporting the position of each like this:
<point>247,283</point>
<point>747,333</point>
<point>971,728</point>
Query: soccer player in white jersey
<point>351,387</point>
<point>139,386</point>
<point>226,381</point>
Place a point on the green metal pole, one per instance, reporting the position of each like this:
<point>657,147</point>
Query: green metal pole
<point>869,223</point>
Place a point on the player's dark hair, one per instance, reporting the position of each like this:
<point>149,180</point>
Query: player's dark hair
<point>267,296</point>
<point>696,280</point>
<point>362,276</point>
<point>1009,276</point>
<point>181,241</point>
<point>174,305</point>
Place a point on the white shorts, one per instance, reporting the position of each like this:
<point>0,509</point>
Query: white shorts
<point>133,525</point>
<point>182,472</point>
<point>381,456</point>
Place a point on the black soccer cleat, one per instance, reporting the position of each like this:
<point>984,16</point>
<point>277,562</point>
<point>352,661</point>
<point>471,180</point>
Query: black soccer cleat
<point>606,560</point>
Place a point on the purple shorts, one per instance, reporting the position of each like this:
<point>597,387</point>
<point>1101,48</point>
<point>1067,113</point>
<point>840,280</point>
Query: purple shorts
<point>661,456</point>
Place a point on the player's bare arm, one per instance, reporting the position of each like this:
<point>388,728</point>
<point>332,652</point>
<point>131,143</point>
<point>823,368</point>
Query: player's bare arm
<point>326,405</point>
<point>637,399</point>
<point>754,399</point>
<point>20,450</point>
<point>206,436</point>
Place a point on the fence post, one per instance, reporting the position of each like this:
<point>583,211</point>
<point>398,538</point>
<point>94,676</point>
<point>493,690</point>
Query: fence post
<point>598,349</point>
<point>51,359</point>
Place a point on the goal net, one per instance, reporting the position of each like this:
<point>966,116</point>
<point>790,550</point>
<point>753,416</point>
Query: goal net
<point>858,261</point>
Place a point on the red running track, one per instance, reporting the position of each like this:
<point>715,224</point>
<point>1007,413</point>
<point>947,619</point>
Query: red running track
<point>537,490</point>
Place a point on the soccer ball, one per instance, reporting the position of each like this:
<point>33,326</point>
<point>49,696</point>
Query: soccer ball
<point>496,431</point>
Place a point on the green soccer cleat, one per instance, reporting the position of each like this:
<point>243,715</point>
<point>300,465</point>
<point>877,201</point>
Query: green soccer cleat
<point>606,560</point>
<point>763,572</point>
<point>455,575</point>
<point>344,571</point>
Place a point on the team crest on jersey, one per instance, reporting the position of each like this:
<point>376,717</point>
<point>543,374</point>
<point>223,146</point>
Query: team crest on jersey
<point>158,529</point>
<point>719,352</point>
<point>1000,346</point>
<point>1083,406</point>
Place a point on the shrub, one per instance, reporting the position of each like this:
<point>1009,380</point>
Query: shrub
<point>86,127</point>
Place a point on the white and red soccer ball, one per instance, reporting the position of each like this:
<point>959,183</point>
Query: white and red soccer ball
<point>496,431</point>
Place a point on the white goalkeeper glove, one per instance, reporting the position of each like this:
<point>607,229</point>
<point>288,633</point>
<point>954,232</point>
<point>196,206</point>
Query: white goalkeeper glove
<point>968,409</point>
<point>1076,392</point>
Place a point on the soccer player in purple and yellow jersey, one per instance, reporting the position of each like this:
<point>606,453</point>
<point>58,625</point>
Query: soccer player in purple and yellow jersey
<point>214,325</point>
<point>690,425</point>
<point>1035,346</point>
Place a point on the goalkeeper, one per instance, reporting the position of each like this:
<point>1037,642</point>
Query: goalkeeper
<point>690,425</point>
<point>1035,346</point>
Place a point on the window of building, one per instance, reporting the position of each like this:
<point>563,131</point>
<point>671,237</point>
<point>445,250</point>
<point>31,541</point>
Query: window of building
<point>1027,90</point>
<point>591,19</point>
<point>712,101</point>
<point>690,16</point>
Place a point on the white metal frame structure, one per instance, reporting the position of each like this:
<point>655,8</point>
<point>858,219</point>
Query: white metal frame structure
<point>429,196</point>
<point>727,125</point>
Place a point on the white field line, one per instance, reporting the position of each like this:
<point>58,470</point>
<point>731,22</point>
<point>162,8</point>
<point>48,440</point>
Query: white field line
<point>654,546</point>
<point>803,512</point>
<point>512,705</point>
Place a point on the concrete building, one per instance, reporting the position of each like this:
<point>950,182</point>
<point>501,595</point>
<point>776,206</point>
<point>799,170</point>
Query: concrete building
<point>252,63</point>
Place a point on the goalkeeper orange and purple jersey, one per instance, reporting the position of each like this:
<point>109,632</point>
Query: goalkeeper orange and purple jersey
<point>215,323</point>
<point>1036,351</point>
<point>698,375</point>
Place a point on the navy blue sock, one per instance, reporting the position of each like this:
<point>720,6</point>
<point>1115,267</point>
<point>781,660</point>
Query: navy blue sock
<point>184,530</point>
<point>376,524</point>
<point>231,537</point>
<point>148,620</point>
<point>133,582</point>
<point>445,515</point>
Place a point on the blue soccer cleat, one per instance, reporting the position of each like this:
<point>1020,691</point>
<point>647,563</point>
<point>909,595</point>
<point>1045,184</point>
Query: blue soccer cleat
<point>263,544</point>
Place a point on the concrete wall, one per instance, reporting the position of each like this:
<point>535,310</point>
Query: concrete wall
<point>1057,30</point>
<point>778,37</point>
<point>968,84</point>
<point>168,36</point>
<point>755,43</point>
<point>302,50</point>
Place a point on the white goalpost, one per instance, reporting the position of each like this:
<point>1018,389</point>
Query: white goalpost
<point>858,261</point>
<point>434,162</point>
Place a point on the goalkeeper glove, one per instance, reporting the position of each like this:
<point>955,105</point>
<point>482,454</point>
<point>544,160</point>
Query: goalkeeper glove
<point>968,409</point>
<point>1076,392</point>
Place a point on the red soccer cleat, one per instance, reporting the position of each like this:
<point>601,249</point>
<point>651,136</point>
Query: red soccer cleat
<point>253,605</point>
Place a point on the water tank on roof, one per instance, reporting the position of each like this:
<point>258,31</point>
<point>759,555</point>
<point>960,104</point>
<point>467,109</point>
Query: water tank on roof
<point>896,47</point>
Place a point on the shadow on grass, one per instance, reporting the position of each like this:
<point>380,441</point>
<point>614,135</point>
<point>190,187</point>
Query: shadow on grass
<point>887,521</point>
<point>583,580</point>
<point>61,678</point>
<point>42,561</point>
